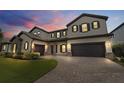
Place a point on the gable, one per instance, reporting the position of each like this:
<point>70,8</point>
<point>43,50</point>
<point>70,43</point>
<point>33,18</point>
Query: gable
<point>88,15</point>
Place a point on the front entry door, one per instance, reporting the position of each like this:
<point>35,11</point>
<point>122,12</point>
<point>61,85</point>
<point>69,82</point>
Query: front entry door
<point>52,49</point>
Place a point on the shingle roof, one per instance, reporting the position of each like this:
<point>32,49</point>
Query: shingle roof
<point>30,35</point>
<point>14,38</point>
<point>117,27</point>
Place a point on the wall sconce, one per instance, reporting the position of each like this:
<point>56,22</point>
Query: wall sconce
<point>108,44</point>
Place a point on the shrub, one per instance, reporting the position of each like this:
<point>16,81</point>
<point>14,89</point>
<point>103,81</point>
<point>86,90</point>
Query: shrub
<point>18,56</point>
<point>122,59</point>
<point>8,54</point>
<point>33,55</point>
<point>118,50</point>
<point>1,54</point>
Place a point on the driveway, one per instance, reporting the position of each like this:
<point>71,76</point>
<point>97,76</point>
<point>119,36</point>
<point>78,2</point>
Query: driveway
<point>83,70</point>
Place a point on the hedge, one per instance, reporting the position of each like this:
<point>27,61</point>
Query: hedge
<point>118,50</point>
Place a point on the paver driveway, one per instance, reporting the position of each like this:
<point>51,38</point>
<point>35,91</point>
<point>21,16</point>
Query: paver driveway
<point>83,69</point>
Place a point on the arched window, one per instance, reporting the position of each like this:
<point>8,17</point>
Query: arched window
<point>26,45</point>
<point>14,48</point>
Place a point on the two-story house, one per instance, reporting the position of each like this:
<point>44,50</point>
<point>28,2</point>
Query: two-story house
<point>118,35</point>
<point>84,36</point>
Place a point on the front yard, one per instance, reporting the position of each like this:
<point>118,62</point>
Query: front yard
<point>24,71</point>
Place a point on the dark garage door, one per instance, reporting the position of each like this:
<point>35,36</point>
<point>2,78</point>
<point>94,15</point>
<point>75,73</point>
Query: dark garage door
<point>39,48</point>
<point>89,49</point>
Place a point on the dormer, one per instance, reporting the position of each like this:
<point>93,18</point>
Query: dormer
<point>43,34</point>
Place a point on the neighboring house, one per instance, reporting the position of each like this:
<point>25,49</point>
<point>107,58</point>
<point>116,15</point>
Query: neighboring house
<point>118,35</point>
<point>85,36</point>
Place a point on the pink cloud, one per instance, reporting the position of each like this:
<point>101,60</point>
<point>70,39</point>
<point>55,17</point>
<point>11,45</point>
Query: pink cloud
<point>10,34</point>
<point>29,25</point>
<point>51,27</point>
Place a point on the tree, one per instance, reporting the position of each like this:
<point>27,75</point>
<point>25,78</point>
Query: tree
<point>1,35</point>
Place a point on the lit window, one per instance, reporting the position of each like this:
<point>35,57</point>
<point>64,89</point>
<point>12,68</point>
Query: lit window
<point>75,28</point>
<point>95,25</point>
<point>58,34</point>
<point>38,33</point>
<point>14,48</point>
<point>63,48</point>
<point>84,27</point>
<point>52,35</point>
<point>4,47</point>
<point>35,33</point>
<point>26,45</point>
<point>64,33</point>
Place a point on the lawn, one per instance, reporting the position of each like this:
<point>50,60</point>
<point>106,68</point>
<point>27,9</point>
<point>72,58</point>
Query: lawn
<point>24,71</point>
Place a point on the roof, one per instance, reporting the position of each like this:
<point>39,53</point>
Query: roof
<point>89,15</point>
<point>38,28</point>
<point>30,35</point>
<point>59,30</point>
<point>14,38</point>
<point>117,27</point>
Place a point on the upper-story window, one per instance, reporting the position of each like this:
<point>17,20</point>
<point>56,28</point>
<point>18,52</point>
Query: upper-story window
<point>26,45</point>
<point>35,33</point>
<point>95,25</point>
<point>52,35</point>
<point>64,33</point>
<point>85,27</point>
<point>38,33</point>
<point>74,28</point>
<point>58,34</point>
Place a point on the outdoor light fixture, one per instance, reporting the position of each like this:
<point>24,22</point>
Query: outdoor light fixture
<point>108,44</point>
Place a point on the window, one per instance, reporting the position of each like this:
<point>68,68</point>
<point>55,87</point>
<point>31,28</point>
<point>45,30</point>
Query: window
<point>64,33</point>
<point>4,47</point>
<point>38,33</point>
<point>63,48</point>
<point>14,48</point>
<point>58,35</point>
<point>35,33</point>
<point>26,45</point>
<point>75,28</point>
<point>52,35</point>
<point>85,27</point>
<point>56,48</point>
<point>95,25</point>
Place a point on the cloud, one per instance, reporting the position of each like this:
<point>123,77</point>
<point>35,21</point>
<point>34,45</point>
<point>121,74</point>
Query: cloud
<point>14,19</point>
<point>51,27</point>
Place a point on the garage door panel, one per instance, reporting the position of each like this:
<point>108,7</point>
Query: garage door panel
<point>89,50</point>
<point>39,48</point>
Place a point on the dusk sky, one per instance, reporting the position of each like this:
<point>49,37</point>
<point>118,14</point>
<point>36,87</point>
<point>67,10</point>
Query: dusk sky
<point>12,22</point>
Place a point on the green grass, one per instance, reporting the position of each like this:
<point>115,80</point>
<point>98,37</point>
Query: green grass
<point>24,71</point>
